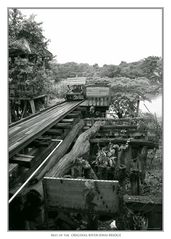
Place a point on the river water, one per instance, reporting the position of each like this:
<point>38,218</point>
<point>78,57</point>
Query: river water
<point>155,106</point>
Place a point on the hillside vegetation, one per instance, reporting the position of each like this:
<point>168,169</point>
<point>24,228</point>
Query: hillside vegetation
<point>143,76</point>
<point>150,67</point>
<point>31,64</point>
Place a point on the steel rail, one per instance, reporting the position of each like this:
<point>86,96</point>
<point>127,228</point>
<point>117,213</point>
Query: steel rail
<point>30,177</point>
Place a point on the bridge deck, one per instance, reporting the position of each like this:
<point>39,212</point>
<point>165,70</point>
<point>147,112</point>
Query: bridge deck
<point>20,135</point>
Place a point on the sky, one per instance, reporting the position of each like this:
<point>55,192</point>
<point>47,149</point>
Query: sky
<point>102,36</point>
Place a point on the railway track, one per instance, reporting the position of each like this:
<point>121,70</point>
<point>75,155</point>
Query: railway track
<point>33,141</point>
<point>33,115</point>
<point>22,134</point>
<point>50,135</point>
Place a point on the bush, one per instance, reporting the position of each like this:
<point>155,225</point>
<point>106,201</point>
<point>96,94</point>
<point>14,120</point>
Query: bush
<point>58,90</point>
<point>153,125</point>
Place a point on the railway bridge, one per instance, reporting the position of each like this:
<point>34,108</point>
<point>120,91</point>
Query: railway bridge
<point>37,145</point>
<point>33,140</point>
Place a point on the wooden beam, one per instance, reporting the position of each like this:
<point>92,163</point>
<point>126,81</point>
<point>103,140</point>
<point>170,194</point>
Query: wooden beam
<point>43,153</point>
<point>138,134</point>
<point>143,203</point>
<point>24,110</point>
<point>114,120</point>
<point>53,132</point>
<point>135,182</point>
<point>80,148</point>
<point>40,143</point>
<point>57,129</point>
<point>81,108</point>
<point>23,160</point>
<point>64,126</point>
<point>73,115</point>
<point>62,149</point>
<point>104,127</point>
<point>129,133</point>
<point>25,156</point>
<point>143,162</point>
<point>150,206</point>
<point>76,111</point>
<point>33,109</point>
<point>134,142</point>
<point>45,137</point>
<point>33,151</point>
<point>70,120</point>
<point>83,195</point>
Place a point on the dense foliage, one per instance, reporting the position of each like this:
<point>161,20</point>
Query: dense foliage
<point>143,78</point>
<point>28,56</point>
<point>150,67</point>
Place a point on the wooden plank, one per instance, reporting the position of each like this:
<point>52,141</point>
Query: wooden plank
<point>64,125</point>
<point>74,194</point>
<point>76,111</point>
<point>45,137</point>
<point>137,134</point>
<point>81,108</point>
<point>73,115</point>
<point>22,160</point>
<point>120,132</point>
<point>57,128</point>
<point>40,143</point>
<point>26,98</point>
<point>53,132</point>
<point>33,109</point>
<point>134,142</point>
<point>143,203</point>
<point>33,151</point>
<point>142,160</point>
<point>25,156</point>
<point>24,110</point>
<point>71,120</point>
<point>114,120</point>
<point>40,157</point>
<point>118,127</point>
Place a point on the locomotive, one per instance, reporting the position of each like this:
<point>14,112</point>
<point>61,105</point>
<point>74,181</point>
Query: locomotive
<point>75,92</point>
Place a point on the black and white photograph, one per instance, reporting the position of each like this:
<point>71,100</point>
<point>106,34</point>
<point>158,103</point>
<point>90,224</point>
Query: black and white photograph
<point>85,119</point>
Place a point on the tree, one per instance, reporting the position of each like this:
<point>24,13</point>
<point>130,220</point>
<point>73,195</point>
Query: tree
<point>15,18</point>
<point>152,69</point>
<point>109,71</point>
<point>126,94</point>
<point>29,56</point>
<point>29,69</point>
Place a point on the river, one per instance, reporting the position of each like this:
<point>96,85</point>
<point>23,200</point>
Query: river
<point>155,106</point>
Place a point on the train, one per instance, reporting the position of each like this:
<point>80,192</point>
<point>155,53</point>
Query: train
<point>75,92</point>
<point>96,93</point>
<point>101,100</point>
